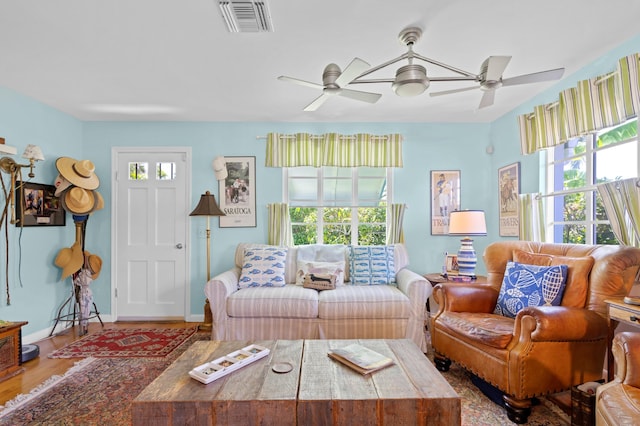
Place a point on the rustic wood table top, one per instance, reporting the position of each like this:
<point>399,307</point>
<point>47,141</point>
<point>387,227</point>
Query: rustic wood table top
<point>317,390</point>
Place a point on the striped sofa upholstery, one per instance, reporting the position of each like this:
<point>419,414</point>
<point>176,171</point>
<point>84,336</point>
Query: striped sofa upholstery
<point>395,311</point>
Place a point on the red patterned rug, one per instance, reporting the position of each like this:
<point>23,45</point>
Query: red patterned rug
<point>129,343</point>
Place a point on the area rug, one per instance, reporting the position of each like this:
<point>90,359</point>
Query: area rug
<point>129,343</point>
<point>100,392</point>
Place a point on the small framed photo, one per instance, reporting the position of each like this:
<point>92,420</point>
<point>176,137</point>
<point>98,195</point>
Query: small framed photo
<point>508,194</point>
<point>445,198</point>
<point>238,193</point>
<point>451,262</point>
<point>37,205</point>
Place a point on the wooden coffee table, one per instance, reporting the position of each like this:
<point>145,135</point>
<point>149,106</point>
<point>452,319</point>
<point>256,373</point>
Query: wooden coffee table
<point>318,390</point>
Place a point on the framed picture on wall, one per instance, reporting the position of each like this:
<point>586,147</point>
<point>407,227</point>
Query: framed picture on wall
<point>238,193</point>
<point>508,192</point>
<point>37,205</point>
<point>445,198</point>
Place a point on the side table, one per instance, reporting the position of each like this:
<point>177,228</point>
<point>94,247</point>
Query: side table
<point>10,349</point>
<point>619,312</point>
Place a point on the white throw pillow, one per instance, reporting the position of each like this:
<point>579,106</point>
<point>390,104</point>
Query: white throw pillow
<point>331,268</point>
<point>263,267</point>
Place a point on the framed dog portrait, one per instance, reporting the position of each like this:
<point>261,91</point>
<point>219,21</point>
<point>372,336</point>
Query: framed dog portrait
<point>238,193</point>
<point>36,205</point>
<point>509,191</point>
<point>445,198</point>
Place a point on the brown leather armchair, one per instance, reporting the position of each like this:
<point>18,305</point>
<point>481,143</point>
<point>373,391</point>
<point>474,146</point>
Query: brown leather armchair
<point>618,402</point>
<point>542,350</point>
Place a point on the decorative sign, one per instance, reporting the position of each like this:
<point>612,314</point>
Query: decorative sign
<point>238,193</point>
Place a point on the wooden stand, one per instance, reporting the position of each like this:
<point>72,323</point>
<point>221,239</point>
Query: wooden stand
<point>11,350</point>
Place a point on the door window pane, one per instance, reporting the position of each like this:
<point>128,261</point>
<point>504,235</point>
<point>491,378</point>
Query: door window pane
<point>138,171</point>
<point>166,171</point>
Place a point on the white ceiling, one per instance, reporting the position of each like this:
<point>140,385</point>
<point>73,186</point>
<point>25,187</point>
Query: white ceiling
<point>171,60</point>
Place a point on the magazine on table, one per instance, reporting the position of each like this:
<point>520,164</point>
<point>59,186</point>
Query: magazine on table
<point>360,358</point>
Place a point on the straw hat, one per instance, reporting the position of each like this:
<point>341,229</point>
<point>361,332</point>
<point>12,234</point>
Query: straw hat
<point>79,173</point>
<point>99,201</point>
<point>94,262</point>
<point>78,201</point>
<point>61,184</point>
<point>70,260</point>
<point>220,168</point>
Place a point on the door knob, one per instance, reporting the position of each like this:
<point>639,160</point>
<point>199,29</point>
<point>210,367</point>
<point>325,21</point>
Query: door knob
<point>179,245</point>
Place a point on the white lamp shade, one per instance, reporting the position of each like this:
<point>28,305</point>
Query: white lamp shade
<point>467,223</point>
<point>33,152</point>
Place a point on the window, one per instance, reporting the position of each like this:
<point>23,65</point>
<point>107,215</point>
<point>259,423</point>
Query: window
<point>574,169</point>
<point>336,205</point>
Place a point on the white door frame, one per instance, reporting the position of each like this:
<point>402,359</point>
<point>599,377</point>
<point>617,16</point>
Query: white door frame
<point>186,151</point>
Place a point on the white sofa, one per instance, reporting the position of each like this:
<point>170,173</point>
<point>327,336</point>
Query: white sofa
<point>393,311</point>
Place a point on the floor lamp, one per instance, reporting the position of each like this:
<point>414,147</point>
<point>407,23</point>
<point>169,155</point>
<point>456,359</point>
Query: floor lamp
<point>207,207</point>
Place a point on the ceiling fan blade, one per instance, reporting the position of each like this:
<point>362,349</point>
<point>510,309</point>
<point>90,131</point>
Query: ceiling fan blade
<point>496,66</point>
<point>535,77</point>
<point>354,69</point>
<point>317,102</point>
<point>449,92</point>
<point>487,98</point>
<point>301,82</point>
<point>360,96</point>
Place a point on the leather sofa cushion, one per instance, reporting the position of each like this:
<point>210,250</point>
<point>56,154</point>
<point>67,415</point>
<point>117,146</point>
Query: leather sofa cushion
<point>488,329</point>
<point>619,405</point>
<point>376,301</point>
<point>579,268</point>
<point>290,301</point>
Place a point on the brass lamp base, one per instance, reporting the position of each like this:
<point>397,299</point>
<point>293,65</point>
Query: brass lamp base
<point>207,325</point>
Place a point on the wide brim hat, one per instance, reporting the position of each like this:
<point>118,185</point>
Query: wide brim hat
<point>80,173</point>
<point>70,260</point>
<point>78,201</point>
<point>94,263</point>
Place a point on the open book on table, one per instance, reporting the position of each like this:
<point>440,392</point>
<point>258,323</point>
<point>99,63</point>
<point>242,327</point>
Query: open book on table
<point>360,358</point>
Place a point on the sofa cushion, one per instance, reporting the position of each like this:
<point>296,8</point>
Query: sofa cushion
<point>290,301</point>
<point>370,265</point>
<point>578,270</point>
<point>530,285</point>
<point>378,301</point>
<point>489,329</point>
<point>263,267</point>
<point>335,269</point>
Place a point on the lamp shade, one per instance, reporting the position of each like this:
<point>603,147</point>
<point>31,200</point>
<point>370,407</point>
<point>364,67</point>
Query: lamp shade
<point>207,206</point>
<point>467,223</point>
<point>33,152</point>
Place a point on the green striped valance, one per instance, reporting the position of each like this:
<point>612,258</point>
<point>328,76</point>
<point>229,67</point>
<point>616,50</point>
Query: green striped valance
<point>594,104</point>
<point>333,149</point>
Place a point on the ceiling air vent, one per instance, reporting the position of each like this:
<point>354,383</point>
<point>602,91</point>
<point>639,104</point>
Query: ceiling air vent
<point>246,16</point>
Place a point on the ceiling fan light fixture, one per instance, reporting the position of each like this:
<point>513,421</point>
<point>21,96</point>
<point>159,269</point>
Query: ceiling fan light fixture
<point>411,80</point>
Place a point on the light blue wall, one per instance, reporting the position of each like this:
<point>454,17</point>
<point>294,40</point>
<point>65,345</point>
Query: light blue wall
<point>34,281</point>
<point>426,147</point>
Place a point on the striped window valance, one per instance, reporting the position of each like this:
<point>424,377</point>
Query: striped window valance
<point>594,104</point>
<point>333,149</point>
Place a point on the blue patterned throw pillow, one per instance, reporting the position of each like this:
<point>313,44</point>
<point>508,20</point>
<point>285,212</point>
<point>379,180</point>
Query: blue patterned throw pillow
<point>371,265</point>
<point>530,285</point>
<point>263,267</point>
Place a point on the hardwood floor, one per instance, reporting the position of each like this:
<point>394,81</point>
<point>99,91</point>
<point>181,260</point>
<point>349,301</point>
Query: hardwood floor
<point>41,368</point>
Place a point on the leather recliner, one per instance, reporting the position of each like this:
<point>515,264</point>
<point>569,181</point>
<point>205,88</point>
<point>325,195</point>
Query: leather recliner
<point>544,349</point>
<point>618,402</point>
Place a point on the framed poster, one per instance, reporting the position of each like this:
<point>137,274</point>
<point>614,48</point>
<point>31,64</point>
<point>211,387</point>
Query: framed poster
<point>445,198</point>
<point>36,205</point>
<point>509,190</point>
<point>238,193</point>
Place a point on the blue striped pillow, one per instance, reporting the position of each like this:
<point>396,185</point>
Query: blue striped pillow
<point>371,265</point>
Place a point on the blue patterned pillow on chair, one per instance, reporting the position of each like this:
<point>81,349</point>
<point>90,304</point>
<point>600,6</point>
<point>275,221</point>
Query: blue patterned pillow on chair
<point>263,267</point>
<point>530,285</point>
<point>371,265</point>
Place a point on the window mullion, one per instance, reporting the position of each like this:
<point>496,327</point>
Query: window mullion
<point>320,198</point>
<point>354,209</point>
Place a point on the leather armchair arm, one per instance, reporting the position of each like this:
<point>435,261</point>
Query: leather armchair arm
<point>465,297</point>
<point>626,351</point>
<point>559,323</point>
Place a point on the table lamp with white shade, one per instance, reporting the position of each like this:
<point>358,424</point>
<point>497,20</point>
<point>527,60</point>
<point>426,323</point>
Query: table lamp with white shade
<point>467,223</point>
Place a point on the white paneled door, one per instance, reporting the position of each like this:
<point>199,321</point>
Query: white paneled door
<point>150,230</point>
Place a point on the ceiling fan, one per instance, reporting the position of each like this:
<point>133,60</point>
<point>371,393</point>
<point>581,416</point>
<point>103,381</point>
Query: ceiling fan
<point>334,81</point>
<point>490,79</point>
<point>412,79</point>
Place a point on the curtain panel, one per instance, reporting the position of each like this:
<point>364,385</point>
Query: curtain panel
<point>621,201</point>
<point>333,149</point>
<point>279,232</point>
<point>594,104</point>
<point>531,223</point>
<point>395,232</point>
